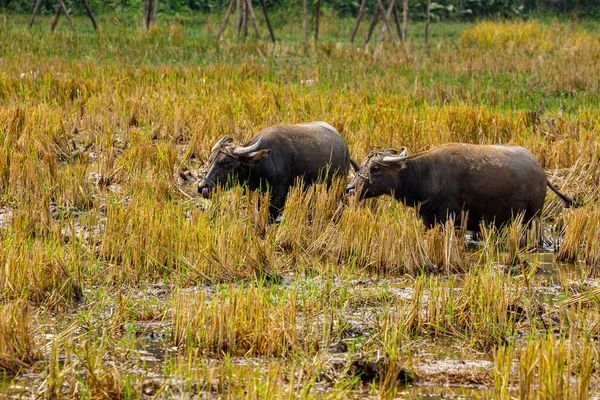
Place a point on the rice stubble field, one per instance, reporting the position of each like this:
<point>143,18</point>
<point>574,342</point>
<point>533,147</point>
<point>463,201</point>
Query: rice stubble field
<point>120,281</point>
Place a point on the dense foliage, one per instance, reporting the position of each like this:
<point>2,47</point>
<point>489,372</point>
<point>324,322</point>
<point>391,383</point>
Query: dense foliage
<point>441,9</point>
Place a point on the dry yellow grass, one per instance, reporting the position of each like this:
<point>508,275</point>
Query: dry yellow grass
<point>99,161</point>
<point>237,322</point>
<point>581,238</point>
<point>18,347</point>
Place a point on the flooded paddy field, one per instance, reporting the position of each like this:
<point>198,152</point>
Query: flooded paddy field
<point>338,336</point>
<point>119,281</point>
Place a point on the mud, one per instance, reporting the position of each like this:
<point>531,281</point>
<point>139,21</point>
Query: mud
<point>464,373</point>
<point>436,371</point>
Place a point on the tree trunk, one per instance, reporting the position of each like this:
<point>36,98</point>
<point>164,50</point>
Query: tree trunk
<point>149,13</point>
<point>154,11</point>
<point>238,17</point>
<point>145,15</point>
<point>427,17</point>
<point>253,17</point>
<point>89,13</point>
<point>245,20</point>
<point>55,22</point>
<point>35,10</point>
<point>305,23</point>
<point>64,8</point>
<point>359,17</point>
<point>317,19</point>
<point>373,25</point>
<point>389,11</point>
<point>264,8</point>
<point>398,26</point>
<point>404,20</point>
<point>386,21</point>
<point>227,14</point>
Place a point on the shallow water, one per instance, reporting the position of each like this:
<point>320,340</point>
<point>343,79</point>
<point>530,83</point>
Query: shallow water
<point>445,392</point>
<point>442,370</point>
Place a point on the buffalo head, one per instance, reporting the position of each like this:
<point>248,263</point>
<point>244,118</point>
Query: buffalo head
<point>227,161</point>
<point>377,174</point>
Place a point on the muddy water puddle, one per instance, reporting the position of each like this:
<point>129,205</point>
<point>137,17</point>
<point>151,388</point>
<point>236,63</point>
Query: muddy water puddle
<point>433,391</point>
<point>152,350</point>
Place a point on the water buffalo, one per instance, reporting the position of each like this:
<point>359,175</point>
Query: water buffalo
<point>275,157</point>
<point>492,182</point>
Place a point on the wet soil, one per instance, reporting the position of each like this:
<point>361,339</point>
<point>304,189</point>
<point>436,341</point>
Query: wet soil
<point>438,370</point>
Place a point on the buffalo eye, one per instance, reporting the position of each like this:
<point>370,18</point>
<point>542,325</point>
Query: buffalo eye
<point>226,164</point>
<point>375,168</point>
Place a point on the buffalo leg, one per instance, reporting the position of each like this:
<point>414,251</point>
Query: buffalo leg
<point>278,196</point>
<point>434,219</point>
<point>428,221</point>
<point>535,232</point>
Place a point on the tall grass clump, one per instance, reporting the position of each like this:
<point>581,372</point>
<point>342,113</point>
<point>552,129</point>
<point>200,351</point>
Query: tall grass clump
<point>547,367</point>
<point>509,244</point>
<point>393,240</point>
<point>310,216</point>
<point>39,271</point>
<point>148,166</point>
<point>318,227</point>
<point>18,347</point>
<point>509,36</point>
<point>237,321</point>
<point>503,365</point>
<point>581,238</point>
<point>481,311</point>
<point>148,239</point>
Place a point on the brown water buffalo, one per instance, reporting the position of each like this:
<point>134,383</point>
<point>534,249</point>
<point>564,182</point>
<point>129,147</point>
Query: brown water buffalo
<point>276,157</point>
<point>492,182</point>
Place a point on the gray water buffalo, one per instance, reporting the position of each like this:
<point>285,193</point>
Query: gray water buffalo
<point>276,157</point>
<point>492,182</point>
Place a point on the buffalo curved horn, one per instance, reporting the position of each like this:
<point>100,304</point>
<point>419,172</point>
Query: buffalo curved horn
<point>222,141</point>
<point>240,151</point>
<point>394,159</point>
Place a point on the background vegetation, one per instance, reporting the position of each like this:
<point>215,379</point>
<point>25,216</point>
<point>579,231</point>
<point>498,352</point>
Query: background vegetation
<point>441,9</point>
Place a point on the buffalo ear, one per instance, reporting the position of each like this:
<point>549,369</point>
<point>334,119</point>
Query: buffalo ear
<point>256,156</point>
<point>391,151</point>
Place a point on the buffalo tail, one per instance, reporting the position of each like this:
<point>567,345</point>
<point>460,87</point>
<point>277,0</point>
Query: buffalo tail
<point>569,202</point>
